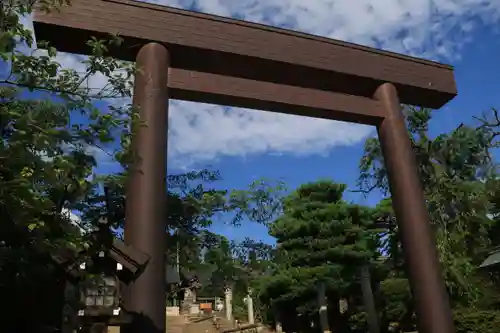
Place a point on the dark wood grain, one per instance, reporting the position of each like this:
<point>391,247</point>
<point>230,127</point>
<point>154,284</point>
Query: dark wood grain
<point>217,89</point>
<point>232,48</point>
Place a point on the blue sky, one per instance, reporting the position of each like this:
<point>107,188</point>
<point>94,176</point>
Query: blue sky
<point>247,145</point>
<point>470,43</point>
<point>477,75</point>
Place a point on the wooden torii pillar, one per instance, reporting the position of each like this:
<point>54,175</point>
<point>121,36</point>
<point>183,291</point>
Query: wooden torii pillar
<point>205,58</point>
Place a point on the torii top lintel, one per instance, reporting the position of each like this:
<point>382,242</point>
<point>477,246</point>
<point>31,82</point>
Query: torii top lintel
<point>231,62</point>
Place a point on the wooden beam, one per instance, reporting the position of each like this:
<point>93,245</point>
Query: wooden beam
<point>212,44</point>
<point>218,89</point>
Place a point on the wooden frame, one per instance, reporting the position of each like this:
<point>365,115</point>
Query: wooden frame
<point>205,58</point>
<point>256,66</point>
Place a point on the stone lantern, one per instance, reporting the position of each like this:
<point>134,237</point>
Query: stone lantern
<point>97,280</point>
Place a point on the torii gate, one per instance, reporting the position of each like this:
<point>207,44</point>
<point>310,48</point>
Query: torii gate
<point>205,58</point>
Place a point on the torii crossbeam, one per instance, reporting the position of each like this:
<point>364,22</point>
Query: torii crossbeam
<point>205,58</point>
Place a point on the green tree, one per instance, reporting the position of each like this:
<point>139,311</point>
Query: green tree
<point>458,174</point>
<point>452,168</point>
<point>320,239</point>
<point>49,131</point>
<point>193,205</point>
<point>220,257</point>
<point>254,259</point>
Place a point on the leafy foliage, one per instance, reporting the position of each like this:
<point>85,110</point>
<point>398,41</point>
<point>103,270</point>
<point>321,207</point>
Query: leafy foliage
<point>458,175</point>
<point>396,303</point>
<point>321,239</point>
<point>452,168</point>
<point>52,134</point>
<point>485,321</point>
<point>50,131</point>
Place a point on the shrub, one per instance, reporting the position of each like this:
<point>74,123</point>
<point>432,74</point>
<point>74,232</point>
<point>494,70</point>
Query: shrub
<point>477,321</point>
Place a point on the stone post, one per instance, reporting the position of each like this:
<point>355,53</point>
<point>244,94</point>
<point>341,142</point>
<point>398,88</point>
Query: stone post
<point>249,301</point>
<point>228,293</point>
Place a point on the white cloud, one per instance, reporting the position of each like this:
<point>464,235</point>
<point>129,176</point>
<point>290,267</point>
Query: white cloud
<point>72,216</point>
<point>202,132</point>
<point>430,28</point>
<point>436,29</point>
<point>74,219</point>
